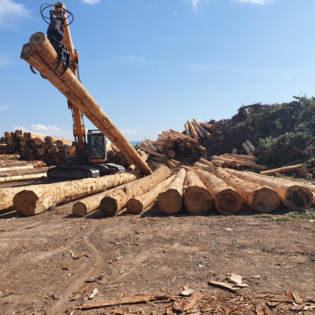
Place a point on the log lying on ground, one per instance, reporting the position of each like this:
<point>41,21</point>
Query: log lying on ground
<point>197,198</point>
<point>138,204</point>
<point>294,196</point>
<point>4,157</point>
<point>260,198</point>
<point>40,54</point>
<point>114,202</point>
<point>26,172</point>
<point>171,199</point>
<point>282,170</point>
<point>39,199</point>
<point>22,177</point>
<point>220,163</point>
<point>245,163</point>
<point>16,168</point>
<point>229,162</point>
<point>209,168</point>
<point>226,199</point>
<point>247,148</point>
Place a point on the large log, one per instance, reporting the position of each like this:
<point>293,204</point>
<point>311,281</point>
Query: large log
<point>138,204</point>
<point>40,54</point>
<point>16,168</point>
<point>114,202</point>
<point>171,199</point>
<point>226,199</point>
<point>39,199</point>
<point>197,198</point>
<point>282,170</point>
<point>16,178</point>
<point>260,198</point>
<point>294,196</point>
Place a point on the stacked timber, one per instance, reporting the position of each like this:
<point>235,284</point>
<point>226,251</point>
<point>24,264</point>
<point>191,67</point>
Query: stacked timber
<point>34,146</point>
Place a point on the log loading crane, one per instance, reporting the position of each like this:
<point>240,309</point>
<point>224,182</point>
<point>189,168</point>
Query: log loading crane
<point>84,158</point>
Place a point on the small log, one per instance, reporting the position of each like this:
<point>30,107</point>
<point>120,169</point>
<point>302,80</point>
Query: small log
<point>146,149</point>
<point>162,149</point>
<point>208,168</point>
<point>247,148</point>
<point>138,204</point>
<point>39,199</point>
<point>171,199</point>
<point>32,136</point>
<point>226,199</point>
<point>171,153</point>
<point>170,164</point>
<point>4,157</point>
<point>192,130</point>
<point>199,131</point>
<point>118,199</point>
<point>16,168</point>
<point>239,156</point>
<point>260,198</point>
<point>294,196</point>
<point>206,162</point>
<point>197,198</point>
<point>154,164</point>
<point>188,133</point>
<point>201,148</point>
<point>220,163</point>
<point>208,126</point>
<point>22,177</point>
<point>282,170</point>
<point>175,162</point>
<point>228,161</point>
<point>251,146</point>
<point>157,159</point>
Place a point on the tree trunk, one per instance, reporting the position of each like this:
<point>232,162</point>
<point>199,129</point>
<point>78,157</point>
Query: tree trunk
<point>188,133</point>
<point>4,157</point>
<point>198,130</point>
<point>245,163</point>
<point>208,134</point>
<point>201,148</point>
<point>260,198</point>
<point>192,130</point>
<point>138,204</point>
<point>220,163</point>
<point>197,198</point>
<point>208,168</point>
<point>294,196</point>
<point>116,200</point>
<point>209,126</point>
<point>146,149</point>
<point>251,146</point>
<point>226,199</point>
<point>16,168</point>
<point>42,56</point>
<point>22,177</point>
<point>40,199</point>
<point>229,162</point>
<point>171,199</point>
<point>206,162</point>
<point>238,156</point>
<point>247,148</point>
<point>280,170</point>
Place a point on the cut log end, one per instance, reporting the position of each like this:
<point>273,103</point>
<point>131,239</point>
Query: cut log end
<point>37,38</point>
<point>109,206</point>
<point>170,201</point>
<point>26,202</point>
<point>27,51</point>
<point>228,202</point>
<point>298,198</point>
<point>197,200</point>
<point>265,200</point>
<point>79,209</point>
<point>134,206</point>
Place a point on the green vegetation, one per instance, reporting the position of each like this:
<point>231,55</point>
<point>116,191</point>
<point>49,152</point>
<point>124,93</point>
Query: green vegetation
<point>284,133</point>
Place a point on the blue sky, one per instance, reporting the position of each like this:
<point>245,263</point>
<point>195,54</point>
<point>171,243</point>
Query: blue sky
<point>152,65</point>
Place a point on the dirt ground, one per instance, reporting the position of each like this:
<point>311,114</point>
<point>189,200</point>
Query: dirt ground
<point>46,259</point>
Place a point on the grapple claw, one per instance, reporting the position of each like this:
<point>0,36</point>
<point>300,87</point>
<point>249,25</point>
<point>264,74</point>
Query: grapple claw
<point>67,64</point>
<point>58,65</point>
<point>32,69</point>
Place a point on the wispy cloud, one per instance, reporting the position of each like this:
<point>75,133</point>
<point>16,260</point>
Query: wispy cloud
<point>91,1</point>
<point>133,60</point>
<point>4,107</point>
<point>261,2</point>
<point>39,127</point>
<point>196,3</point>
<point>208,67</point>
<point>11,11</point>
<point>19,128</point>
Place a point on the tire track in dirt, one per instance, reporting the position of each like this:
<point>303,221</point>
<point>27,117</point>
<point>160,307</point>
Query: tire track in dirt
<point>96,261</point>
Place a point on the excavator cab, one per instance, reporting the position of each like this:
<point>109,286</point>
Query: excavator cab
<point>96,146</point>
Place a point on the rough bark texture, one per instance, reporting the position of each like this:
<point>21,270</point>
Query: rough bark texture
<point>197,198</point>
<point>247,157</point>
<point>40,199</point>
<point>138,204</point>
<point>280,170</point>
<point>22,177</point>
<point>171,199</point>
<point>294,196</point>
<point>226,199</point>
<point>40,54</point>
<point>118,199</point>
<point>260,198</point>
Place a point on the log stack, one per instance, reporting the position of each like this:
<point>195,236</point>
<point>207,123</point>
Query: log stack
<point>34,146</point>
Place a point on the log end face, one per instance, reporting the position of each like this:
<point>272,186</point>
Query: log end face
<point>25,202</point>
<point>266,200</point>
<point>108,207</point>
<point>27,51</point>
<point>170,201</point>
<point>134,206</point>
<point>228,202</point>
<point>79,209</point>
<point>197,200</point>
<point>298,198</point>
<point>37,38</point>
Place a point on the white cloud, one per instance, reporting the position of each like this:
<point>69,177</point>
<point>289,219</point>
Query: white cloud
<point>43,127</point>
<point>261,2</point>
<point>10,11</point>
<point>130,131</point>
<point>91,1</point>
<point>133,60</point>
<point>196,3</point>
<point>4,107</point>
<point>18,128</point>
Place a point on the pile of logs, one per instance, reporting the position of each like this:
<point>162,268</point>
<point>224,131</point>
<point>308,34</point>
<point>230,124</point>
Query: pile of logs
<point>34,146</point>
<point>163,150</point>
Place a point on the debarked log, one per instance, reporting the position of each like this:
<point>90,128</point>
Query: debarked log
<point>41,55</point>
